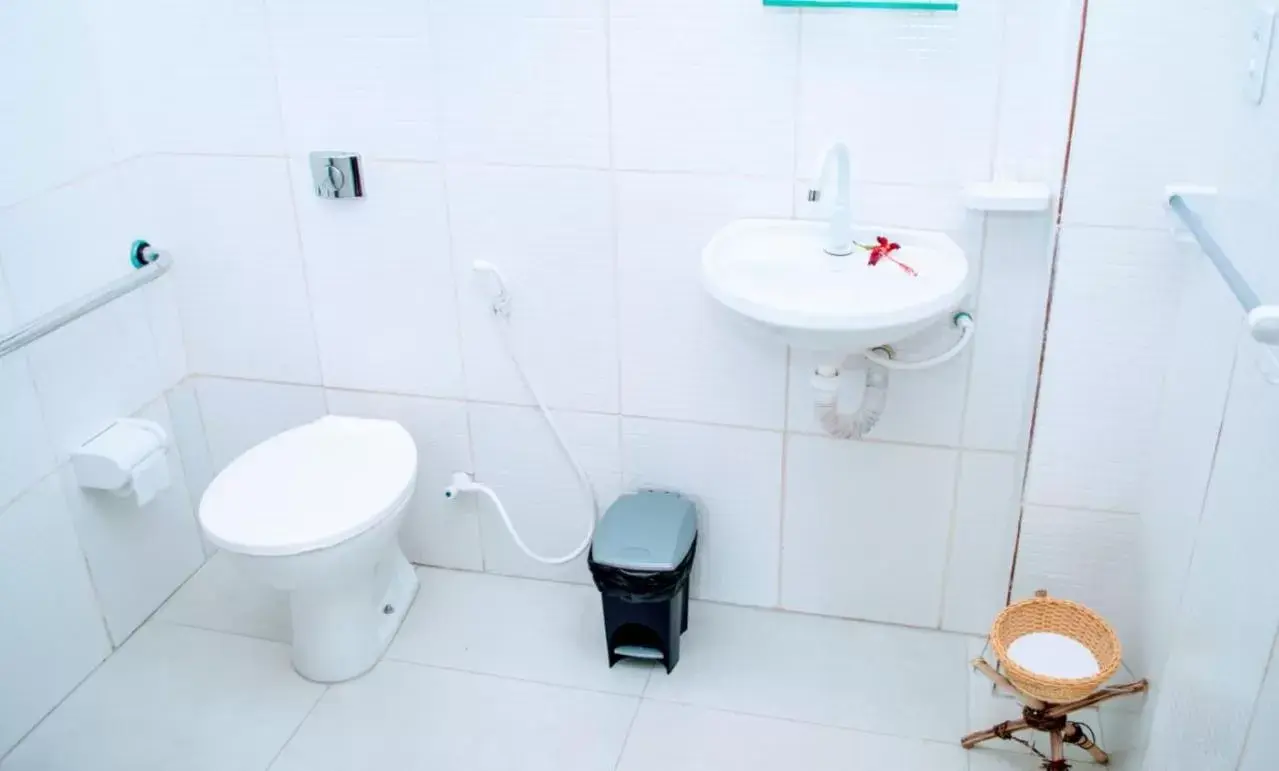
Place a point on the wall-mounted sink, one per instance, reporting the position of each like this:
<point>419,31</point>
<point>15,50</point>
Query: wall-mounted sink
<point>777,274</point>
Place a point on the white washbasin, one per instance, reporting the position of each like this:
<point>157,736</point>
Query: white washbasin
<point>776,273</point>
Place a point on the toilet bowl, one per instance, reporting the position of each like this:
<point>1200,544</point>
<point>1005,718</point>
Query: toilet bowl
<point>315,512</point>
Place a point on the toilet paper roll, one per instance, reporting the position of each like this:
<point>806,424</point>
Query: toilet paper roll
<point>149,478</point>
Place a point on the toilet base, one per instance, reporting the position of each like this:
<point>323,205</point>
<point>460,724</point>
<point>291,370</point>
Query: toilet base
<point>341,627</point>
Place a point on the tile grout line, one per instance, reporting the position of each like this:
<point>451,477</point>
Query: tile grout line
<point>511,678</point>
<point>296,729</point>
<point>724,604</point>
<point>630,728</point>
<point>800,721</point>
<point>464,401</point>
<point>110,654</point>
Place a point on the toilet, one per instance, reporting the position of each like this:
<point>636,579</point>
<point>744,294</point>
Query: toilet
<point>315,511</point>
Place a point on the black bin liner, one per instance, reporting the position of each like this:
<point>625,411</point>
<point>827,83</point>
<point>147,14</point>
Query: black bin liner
<point>642,585</point>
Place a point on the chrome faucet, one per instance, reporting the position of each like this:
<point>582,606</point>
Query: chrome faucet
<point>840,239</point>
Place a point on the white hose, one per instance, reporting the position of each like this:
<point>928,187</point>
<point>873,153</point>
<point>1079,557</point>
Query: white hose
<point>961,320</point>
<point>465,483</point>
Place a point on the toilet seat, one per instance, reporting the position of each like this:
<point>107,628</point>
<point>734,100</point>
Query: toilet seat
<point>311,487</point>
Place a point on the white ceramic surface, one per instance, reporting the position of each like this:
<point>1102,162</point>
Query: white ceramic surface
<point>775,272</point>
<point>315,512</point>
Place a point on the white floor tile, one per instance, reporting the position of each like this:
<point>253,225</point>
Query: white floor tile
<point>991,760</point>
<point>175,698</point>
<point>531,630</point>
<point>221,598</point>
<point>403,716</point>
<point>51,632</point>
<point>676,737</point>
<point>876,678</point>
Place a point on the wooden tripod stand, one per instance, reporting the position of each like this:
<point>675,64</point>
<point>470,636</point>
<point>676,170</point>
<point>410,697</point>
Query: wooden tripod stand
<point>1053,719</point>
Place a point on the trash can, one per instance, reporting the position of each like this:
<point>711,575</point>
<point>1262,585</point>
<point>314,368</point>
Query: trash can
<point>641,558</point>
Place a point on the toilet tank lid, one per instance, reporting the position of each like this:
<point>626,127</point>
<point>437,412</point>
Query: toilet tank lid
<point>310,487</point>
<point>649,530</point>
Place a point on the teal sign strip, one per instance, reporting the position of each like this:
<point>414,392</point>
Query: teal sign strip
<point>897,5</point>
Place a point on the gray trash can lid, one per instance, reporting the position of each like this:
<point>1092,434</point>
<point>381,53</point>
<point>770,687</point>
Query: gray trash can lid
<point>647,530</point>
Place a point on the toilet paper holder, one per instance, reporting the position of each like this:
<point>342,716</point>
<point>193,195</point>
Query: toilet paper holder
<point>128,457</point>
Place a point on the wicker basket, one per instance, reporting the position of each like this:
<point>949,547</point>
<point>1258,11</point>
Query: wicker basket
<point>1046,614</point>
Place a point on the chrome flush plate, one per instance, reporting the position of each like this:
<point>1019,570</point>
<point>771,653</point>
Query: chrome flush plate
<point>336,175</point>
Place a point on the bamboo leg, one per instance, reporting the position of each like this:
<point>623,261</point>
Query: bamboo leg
<point>1058,749</point>
<point>1003,683</point>
<point>977,737</point>
<point>1075,735</point>
<point>1113,692</point>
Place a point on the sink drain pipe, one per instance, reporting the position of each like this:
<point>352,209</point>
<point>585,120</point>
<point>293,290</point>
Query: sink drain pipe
<point>878,363</point>
<point>826,402</point>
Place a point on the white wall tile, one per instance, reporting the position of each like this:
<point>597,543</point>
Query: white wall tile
<point>1010,323</point>
<point>1179,459</point>
<point>239,414</point>
<point>922,207</point>
<point>381,282</point>
<point>191,77</point>
<point>983,539</point>
<point>1037,82</point>
<point>1210,685</point>
<point>735,476</point>
<point>572,9</point>
<point>193,446</point>
<point>71,241</point>
<point>8,319</point>
<point>523,90</point>
<point>94,370</point>
<point>164,319</point>
<point>1120,158</point>
<point>721,9</point>
<point>356,80</point>
<point>924,407</point>
<point>49,97</point>
<point>1263,742</point>
<point>683,356</point>
<point>699,91</point>
<point>435,531</point>
<point>1114,293</point>
<point>1084,556</point>
<point>138,556</point>
<point>517,455</point>
<point>242,289</point>
<point>26,453</point>
<point>911,94</point>
<point>551,233</point>
<point>53,631</point>
<point>866,528</point>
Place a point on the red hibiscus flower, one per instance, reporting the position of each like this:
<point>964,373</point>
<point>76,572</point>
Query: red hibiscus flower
<point>884,249</point>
